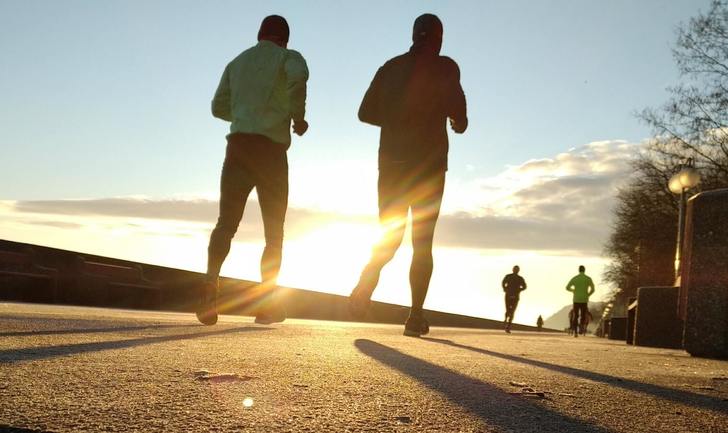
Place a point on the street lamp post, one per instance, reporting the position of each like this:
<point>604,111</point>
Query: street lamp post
<point>686,178</point>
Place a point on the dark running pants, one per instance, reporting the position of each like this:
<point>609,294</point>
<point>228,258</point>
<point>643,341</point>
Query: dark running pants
<point>251,161</point>
<point>401,190</point>
<point>511,304</point>
<point>580,312</point>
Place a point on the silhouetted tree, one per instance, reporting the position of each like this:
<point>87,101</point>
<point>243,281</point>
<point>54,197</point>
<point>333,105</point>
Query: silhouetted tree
<point>692,124</point>
<point>642,243</point>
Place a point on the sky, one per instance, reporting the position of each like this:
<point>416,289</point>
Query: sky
<point>108,146</point>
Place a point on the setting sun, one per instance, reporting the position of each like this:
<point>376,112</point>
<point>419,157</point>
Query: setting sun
<point>330,257</point>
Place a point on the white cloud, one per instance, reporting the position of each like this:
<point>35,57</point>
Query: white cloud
<point>563,202</point>
<point>182,216</point>
<point>555,204</point>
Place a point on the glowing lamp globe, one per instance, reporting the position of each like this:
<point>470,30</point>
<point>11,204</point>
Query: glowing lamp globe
<point>689,177</point>
<point>675,185</point>
<point>686,178</point>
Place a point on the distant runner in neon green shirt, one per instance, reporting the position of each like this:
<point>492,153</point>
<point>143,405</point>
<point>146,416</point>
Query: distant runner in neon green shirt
<point>582,286</point>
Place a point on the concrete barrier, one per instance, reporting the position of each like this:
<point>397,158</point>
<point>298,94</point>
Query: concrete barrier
<point>618,328</point>
<point>23,279</point>
<point>179,293</point>
<point>704,281</point>
<point>656,321</point>
<point>631,315</point>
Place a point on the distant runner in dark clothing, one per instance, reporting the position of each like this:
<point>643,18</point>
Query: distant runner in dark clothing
<point>513,284</point>
<point>411,98</point>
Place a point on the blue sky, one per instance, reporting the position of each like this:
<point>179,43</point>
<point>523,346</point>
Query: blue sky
<point>110,100</point>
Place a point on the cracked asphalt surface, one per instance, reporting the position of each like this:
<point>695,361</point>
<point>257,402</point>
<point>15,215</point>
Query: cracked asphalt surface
<point>71,369</point>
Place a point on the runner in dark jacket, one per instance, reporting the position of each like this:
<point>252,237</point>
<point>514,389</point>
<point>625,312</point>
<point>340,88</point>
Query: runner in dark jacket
<point>411,98</point>
<point>513,284</point>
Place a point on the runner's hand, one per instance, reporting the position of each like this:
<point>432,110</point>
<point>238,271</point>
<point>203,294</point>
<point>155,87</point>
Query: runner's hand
<point>459,127</point>
<point>300,127</point>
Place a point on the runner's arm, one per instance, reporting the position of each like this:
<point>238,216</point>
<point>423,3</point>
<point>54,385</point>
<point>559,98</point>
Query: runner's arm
<point>591,288</point>
<point>570,285</point>
<point>296,77</point>
<point>221,107</point>
<point>457,107</point>
<point>369,110</point>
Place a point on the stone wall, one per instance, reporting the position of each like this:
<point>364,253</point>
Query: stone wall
<point>656,321</point>
<point>704,282</point>
<point>178,288</point>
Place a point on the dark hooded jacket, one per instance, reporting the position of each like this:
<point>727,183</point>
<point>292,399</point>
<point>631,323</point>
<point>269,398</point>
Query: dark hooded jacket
<point>410,98</point>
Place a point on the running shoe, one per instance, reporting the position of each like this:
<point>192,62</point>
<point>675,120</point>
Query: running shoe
<point>416,327</point>
<point>207,305</point>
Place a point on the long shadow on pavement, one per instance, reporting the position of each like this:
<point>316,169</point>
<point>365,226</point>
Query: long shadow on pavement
<point>494,406</point>
<point>676,395</point>
<point>10,356</point>
<point>88,330</point>
<point>4,428</point>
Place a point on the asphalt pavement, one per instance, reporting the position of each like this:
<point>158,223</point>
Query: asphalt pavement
<point>69,369</point>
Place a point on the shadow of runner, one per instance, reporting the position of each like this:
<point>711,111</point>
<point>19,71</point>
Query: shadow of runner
<point>10,356</point>
<point>89,330</point>
<point>676,395</point>
<point>494,406</point>
<point>4,428</point>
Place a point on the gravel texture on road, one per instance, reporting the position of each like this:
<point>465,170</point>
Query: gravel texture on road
<point>70,369</point>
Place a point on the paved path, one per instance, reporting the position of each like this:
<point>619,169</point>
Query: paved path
<point>83,369</point>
